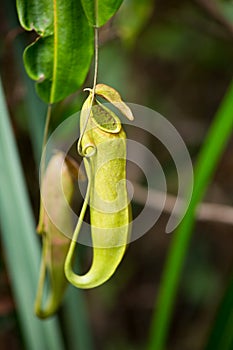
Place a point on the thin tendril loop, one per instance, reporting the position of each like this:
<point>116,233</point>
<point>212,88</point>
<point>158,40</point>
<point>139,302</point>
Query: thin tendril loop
<point>90,153</point>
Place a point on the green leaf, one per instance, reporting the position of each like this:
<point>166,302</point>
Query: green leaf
<point>60,57</point>
<point>99,12</point>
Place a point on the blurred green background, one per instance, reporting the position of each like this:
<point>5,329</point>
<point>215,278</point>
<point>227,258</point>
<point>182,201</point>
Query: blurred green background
<point>176,58</point>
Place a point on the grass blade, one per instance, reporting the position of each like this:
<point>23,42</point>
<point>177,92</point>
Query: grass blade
<point>20,242</point>
<point>209,156</point>
<point>76,320</point>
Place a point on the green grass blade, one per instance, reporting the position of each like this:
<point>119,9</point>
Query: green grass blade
<point>210,154</point>
<point>20,242</point>
<point>76,320</point>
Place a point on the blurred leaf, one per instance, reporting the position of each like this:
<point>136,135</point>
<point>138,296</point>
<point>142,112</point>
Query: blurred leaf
<point>171,42</point>
<point>132,17</point>
<point>196,287</point>
<point>60,57</point>
<point>120,68</point>
<point>221,337</point>
<point>20,243</point>
<point>167,41</point>
<point>227,9</point>
<point>99,12</point>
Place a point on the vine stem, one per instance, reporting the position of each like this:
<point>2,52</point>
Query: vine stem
<point>42,276</point>
<point>93,90</point>
<point>45,138</point>
<point>41,217</point>
<point>42,166</point>
<point>215,142</point>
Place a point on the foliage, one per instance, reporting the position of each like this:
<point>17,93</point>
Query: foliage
<point>99,12</point>
<point>60,26</point>
<point>177,59</point>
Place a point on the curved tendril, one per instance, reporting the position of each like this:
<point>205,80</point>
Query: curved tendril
<point>70,274</point>
<point>90,153</point>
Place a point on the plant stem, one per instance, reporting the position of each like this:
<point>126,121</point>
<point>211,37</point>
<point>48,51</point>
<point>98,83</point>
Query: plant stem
<point>209,156</point>
<point>45,138</point>
<point>93,91</point>
<point>43,160</point>
<point>96,58</point>
<point>70,274</point>
<point>42,276</point>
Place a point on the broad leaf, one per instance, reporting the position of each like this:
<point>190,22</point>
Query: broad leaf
<point>60,57</point>
<point>98,12</point>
